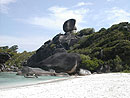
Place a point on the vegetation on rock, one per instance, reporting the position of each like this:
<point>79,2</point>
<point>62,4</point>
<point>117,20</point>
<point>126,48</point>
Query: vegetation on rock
<point>107,50</point>
<point>16,59</point>
<point>110,46</point>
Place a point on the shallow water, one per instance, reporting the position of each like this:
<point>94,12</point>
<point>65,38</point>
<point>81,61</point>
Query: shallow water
<point>11,80</point>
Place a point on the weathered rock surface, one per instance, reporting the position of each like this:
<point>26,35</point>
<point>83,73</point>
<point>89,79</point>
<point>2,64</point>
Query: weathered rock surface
<point>61,62</point>
<point>29,71</point>
<point>53,54</point>
<point>38,71</point>
<point>2,67</point>
<point>59,44</point>
<point>69,25</point>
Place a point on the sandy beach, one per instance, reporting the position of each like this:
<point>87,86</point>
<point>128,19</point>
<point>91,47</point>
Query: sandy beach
<point>111,85</point>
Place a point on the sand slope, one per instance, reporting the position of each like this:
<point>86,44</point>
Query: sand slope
<point>112,85</point>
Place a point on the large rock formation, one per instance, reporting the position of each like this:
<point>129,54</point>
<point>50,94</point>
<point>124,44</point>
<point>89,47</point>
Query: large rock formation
<point>59,44</point>
<point>69,25</point>
<point>61,62</point>
<point>53,54</point>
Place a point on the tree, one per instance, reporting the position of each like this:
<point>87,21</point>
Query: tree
<point>90,64</point>
<point>14,48</point>
<point>118,63</point>
<point>86,31</point>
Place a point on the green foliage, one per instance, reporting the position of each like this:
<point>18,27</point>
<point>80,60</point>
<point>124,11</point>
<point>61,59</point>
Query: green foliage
<point>6,49</point>
<point>16,58</point>
<point>126,71</point>
<point>53,45</point>
<point>102,30</point>
<point>14,48</point>
<point>111,45</point>
<point>117,62</point>
<point>90,64</point>
<point>84,51</point>
<point>19,58</point>
<point>106,47</point>
<point>126,67</point>
<point>84,57</point>
<point>86,31</point>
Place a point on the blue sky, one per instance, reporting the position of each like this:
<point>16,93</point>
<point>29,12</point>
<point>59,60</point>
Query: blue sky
<point>29,23</point>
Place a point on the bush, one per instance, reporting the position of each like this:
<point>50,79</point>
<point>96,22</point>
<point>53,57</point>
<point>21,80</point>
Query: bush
<point>86,31</point>
<point>81,51</point>
<point>126,71</point>
<point>90,64</point>
<point>52,45</point>
<point>84,57</point>
<point>118,64</point>
<point>115,64</point>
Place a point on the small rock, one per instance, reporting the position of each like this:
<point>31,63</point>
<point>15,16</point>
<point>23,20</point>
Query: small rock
<point>95,73</point>
<point>84,72</point>
<point>19,73</point>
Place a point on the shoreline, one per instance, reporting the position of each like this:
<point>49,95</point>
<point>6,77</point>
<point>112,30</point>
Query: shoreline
<point>41,82</point>
<point>108,85</point>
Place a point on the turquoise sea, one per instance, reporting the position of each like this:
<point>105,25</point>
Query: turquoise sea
<point>8,79</point>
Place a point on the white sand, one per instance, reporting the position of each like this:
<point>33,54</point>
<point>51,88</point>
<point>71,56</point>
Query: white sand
<point>112,85</point>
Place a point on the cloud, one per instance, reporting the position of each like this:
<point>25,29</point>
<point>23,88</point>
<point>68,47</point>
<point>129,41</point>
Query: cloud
<point>111,16</point>
<point>83,4</point>
<point>4,5</point>
<point>4,2</point>
<point>110,0</point>
<point>57,15</point>
<point>116,15</point>
<point>24,43</point>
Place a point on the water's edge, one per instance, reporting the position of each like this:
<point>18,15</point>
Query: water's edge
<point>11,80</point>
